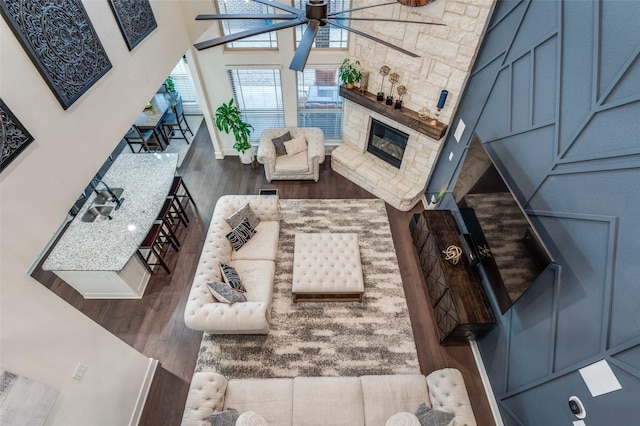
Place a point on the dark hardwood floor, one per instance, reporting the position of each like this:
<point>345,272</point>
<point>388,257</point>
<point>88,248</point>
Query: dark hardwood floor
<point>154,325</point>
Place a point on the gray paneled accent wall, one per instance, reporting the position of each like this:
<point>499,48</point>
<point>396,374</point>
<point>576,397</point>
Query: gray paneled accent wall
<point>555,98</point>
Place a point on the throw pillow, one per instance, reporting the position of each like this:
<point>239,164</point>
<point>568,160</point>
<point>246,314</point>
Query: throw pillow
<point>239,235</point>
<point>296,145</point>
<point>223,418</point>
<point>231,277</point>
<point>249,418</point>
<point>278,143</point>
<point>403,419</point>
<point>235,219</point>
<point>430,417</point>
<point>223,292</point>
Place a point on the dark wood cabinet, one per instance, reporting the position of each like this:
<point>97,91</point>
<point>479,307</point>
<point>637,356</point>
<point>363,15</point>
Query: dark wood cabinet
<point>460,305</point>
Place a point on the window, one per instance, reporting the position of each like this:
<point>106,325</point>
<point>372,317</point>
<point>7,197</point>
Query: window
<point>258,93</point>
<point>319,101</point>
<point>182,81</point>
<point>232,26</point>
<point>328,36</point>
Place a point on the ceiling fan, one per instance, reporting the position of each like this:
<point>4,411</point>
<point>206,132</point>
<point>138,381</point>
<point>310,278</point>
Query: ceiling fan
<point>315,15</point>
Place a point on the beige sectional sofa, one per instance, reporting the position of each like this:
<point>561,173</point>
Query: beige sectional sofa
<point>255,263</point>
<point>311,401</point>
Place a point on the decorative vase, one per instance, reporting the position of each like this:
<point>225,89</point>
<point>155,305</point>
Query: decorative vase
<point>246,157</point>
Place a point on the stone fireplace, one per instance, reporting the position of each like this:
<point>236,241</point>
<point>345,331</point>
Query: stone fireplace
<point>400,185</point>
<point>387,143</point>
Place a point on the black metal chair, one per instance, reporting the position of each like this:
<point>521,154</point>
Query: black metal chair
<point>142,140</point>
<point>175,120</point>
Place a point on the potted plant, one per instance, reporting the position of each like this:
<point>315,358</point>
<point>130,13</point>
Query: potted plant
<point>228,119</point>
<point>349,73</point>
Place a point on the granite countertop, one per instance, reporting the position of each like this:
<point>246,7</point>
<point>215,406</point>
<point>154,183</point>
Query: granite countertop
<point>107,245</point>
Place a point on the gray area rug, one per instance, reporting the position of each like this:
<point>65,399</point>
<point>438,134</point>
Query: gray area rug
<point>320,338</point>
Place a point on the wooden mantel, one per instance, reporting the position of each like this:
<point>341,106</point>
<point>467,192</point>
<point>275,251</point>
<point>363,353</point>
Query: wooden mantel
<point>429,126</point>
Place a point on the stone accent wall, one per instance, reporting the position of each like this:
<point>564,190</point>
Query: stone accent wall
<point>446,52</point>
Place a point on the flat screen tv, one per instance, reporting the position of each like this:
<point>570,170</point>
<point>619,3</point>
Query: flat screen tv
<point>510,249</point>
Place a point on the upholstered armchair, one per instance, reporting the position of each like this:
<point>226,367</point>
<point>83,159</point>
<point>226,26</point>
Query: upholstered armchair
<point>302,163</point>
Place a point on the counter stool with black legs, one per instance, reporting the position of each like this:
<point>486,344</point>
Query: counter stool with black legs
<point>156,247</point>
<point>181,197</point>
<point>170,218</point>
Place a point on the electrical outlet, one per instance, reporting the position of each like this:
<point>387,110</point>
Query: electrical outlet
<point>81,369</point>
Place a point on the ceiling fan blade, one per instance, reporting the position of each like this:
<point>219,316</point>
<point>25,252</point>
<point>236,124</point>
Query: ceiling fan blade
<point>370,37</point>
<point>357,8</point>
<point>391,20</point>
<point>245,16</point>
<point>280,6</point>
<point>304,48</point>
<point>248,33</point>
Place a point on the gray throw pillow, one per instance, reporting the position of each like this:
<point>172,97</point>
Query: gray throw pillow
<point>223,418</point>
<point>279,144</point>
<point>430,417</point>
<point>223,292</point>
<point>235,219</point>
<point>231,277</point>
<point>239,235</point>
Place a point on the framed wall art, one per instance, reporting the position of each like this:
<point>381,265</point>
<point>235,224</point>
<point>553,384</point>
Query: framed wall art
<point>13,136</point>
<point>61,42</point>
<point>135,19</point>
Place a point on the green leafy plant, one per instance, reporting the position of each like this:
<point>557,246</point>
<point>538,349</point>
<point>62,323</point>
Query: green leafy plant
<point>349,72</point>
<point>171,87</point>
<point>229,120</point>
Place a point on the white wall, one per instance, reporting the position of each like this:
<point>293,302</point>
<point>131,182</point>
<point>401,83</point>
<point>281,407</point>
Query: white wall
<point>41,336</point>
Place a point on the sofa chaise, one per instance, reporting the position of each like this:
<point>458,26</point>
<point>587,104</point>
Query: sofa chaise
<point>311,401</point>
<point>254,262</point>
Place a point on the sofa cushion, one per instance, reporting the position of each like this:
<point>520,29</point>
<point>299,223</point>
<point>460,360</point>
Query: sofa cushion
<point>386,395</point>
<point>231,277</point>
<point>236,218</point>
<point>327,401</point>
<point>430,417</point>
<point>296,145</point>
<point>249,418</point>
<point>403,419</point>
<point>279,144</point>
<point>241,234</point>
<point>257,277</point>
<point>271,398</point>
<point>263,245</point>
<point>223,418</point>
<point>223,292</point>
<point>297,163</point>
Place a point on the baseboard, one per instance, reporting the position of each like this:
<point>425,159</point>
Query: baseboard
<point>144,392</point>
<point>493,404</point>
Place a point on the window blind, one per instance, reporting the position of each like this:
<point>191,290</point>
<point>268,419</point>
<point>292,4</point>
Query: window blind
<point>258,94</point>
<point>319,101</point>
<point>232,26</point>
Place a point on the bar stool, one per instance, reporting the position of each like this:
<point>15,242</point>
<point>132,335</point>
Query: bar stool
<point>170,218</point>
<point>181,197</point>
<point>156,247</point>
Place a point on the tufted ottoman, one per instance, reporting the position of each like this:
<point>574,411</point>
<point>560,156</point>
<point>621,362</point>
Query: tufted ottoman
<point>326,267</point>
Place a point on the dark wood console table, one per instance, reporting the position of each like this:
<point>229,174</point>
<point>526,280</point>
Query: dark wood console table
<point>460,305</point>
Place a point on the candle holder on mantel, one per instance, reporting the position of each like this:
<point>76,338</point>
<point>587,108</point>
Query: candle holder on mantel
<point>393,78</point>
<point>384,71</point>
<point>364,82</point>
<point>401,91</point>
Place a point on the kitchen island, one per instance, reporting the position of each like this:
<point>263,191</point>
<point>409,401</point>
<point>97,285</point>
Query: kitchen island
<point>99,258</point>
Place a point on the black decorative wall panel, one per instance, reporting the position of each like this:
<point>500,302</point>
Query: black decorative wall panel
<point>13,136</point>
<point>135,19</point>
<point>61,42</point>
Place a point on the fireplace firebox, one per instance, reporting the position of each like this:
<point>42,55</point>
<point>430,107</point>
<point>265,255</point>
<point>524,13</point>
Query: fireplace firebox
<point>387,143</point>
